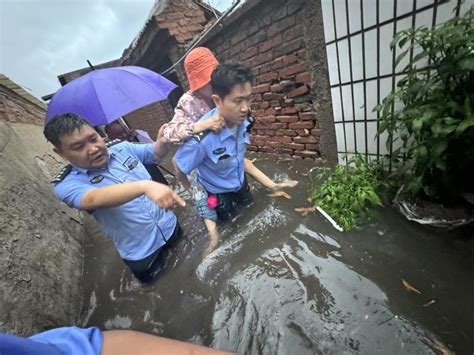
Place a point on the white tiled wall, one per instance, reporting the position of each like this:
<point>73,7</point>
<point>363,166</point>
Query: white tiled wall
<point>354,112</point>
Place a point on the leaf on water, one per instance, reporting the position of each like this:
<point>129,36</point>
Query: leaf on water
<point>410,287</point>
<point>309,200</point>
<point>443,349</point>
<point>305,210</point>
<point>429,303</point>
<point>280,194</point>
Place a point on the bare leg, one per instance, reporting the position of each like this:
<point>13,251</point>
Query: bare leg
<point>127,342</point>
<point>213,235</point>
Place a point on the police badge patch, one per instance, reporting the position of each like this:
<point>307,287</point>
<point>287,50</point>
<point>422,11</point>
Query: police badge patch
<point>130,163</point>
<point>96,179</point>
<point>219,151</point>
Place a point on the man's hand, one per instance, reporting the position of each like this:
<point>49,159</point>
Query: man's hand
<point>282,185</point>
<point>161,135</point>
<point>214,123</point>
<point>160,146</point>
<point>162,195</point>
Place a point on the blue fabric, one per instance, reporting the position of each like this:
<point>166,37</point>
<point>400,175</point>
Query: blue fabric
<point>59,341</point>
<point>139,227</point>
<point>218,158</point>
<point>200,198</point>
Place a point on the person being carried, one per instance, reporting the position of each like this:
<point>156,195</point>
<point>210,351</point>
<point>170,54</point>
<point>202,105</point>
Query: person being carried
<point>194,104</point>
<point>219,157</point>
<point>198,65</point>
<point>111,183</point>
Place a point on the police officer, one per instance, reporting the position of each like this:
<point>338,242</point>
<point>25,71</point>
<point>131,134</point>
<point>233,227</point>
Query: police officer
<point>219,157</point>
<point>111,183</point>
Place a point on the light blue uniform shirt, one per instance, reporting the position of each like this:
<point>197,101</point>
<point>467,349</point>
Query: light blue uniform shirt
<point>59,341</point>
<point>139,227</point>
<point>217,157</point>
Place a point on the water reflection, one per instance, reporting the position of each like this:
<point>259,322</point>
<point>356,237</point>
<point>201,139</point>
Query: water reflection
<point>279,283</point>
<point>299,299</point>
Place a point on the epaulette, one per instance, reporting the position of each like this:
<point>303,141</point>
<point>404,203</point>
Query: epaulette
<point>201,135</point>
<point>251,122</point>
<point>113,142</point>
<point>62,174</point>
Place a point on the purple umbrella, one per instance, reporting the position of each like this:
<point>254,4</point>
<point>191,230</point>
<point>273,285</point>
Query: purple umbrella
<point>104,95</point>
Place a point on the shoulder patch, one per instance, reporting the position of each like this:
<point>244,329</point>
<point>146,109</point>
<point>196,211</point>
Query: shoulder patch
<point>62,174</point>
<point>200,136</point>
<point>113,142</point>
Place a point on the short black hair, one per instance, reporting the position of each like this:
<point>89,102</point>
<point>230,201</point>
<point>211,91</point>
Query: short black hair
<point>226,76</point>
<point>62,124</point>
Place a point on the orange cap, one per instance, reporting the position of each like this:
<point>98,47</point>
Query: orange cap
<point>199,65</point>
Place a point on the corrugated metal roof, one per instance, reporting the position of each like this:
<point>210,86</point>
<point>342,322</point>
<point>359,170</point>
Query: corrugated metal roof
<point>17,89</point>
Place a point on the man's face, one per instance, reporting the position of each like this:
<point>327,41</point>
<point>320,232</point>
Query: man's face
<point>235,106</point>
<point>84,148</point>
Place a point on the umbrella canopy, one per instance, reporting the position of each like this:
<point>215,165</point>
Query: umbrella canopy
<point>104,95</point>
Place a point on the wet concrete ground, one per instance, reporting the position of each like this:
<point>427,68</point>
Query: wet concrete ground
<point>280,283</point>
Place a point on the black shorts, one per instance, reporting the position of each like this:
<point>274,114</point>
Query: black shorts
<point>229,202</point>
<point>148,268</point>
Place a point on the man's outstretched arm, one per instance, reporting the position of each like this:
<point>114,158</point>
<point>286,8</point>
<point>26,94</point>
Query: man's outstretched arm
<point>182,178</point>
<point>131,342</point>
<point>116,195</point>
<point>258,175</point>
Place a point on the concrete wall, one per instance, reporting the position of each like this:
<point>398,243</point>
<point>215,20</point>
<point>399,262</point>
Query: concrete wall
<point>41,251</point>
<point>13,108</point>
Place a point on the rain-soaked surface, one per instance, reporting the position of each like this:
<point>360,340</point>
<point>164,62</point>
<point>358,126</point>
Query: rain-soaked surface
<point>280,283</point>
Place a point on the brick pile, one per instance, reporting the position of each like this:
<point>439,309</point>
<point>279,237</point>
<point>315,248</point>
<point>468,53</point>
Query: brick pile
<point>183,19</point>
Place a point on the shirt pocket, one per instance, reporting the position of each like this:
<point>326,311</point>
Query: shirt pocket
<point>224,161</point>
<point>133,168</point>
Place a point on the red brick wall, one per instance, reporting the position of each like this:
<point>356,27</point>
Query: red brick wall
<point>183,19</point>
<point>269,38</point>
<point>150,118</point>
<point>17,110</point>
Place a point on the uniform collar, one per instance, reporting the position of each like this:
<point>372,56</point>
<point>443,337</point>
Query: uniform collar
<point>226,133</point>
<point>86,171</point>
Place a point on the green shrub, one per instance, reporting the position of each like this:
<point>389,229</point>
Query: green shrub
<point>348,193</point>
<point>430,115</point>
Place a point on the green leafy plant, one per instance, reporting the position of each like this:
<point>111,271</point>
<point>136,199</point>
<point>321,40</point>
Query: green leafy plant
<point>348,193</point>
<point>429,117</point>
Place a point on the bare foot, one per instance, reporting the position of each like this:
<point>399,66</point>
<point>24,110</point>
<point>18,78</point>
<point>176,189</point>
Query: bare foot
<point>212,245</point>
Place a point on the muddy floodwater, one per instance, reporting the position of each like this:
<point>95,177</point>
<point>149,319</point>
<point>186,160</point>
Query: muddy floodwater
<point>281,283</point>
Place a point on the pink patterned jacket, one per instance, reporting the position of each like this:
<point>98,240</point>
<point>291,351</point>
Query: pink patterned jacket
<point>189,110</point>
